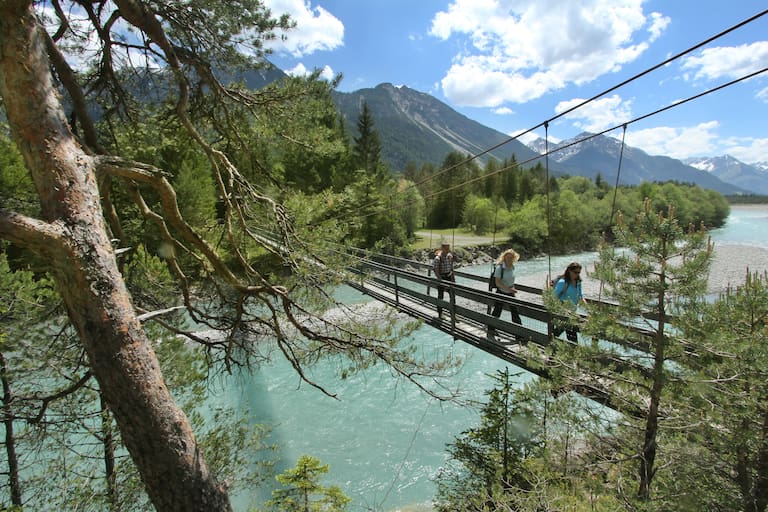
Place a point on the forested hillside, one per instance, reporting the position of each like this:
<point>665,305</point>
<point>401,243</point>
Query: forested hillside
<point>417,128</point>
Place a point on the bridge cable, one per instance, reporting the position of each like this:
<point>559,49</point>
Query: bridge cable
<point>430,225</point>
<point>618,174</point>
<point>407,453</point>
<point>615,193</point>
<point>493,258</point>
<point>453,221</point>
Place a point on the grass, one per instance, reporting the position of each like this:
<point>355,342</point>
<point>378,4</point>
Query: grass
<point>431,239</point>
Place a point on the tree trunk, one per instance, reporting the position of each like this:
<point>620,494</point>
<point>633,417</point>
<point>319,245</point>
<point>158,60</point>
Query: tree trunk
<point>108,442</point>
<point>14,482</point>
<point>648,454</point>
<point>72,237</point>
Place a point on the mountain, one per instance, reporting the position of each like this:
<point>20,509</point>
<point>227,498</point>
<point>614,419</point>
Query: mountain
<point>601,155</point>
<point>257,78</point>
<point>416,127</point>
<point>753,178</point>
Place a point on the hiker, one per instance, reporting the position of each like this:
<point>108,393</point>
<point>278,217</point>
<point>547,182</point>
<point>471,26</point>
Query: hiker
<point>568,288</point>
<point>504,279</point>
<point>443,268</point>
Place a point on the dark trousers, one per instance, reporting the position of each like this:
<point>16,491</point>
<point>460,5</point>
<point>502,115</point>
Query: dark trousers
<point>570,332</point>
<point>498,306</point>
<point>441,290</point>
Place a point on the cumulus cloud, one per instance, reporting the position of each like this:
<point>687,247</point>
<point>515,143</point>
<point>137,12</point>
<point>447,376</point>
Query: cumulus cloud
<point>516,53</point>
<point>327,73</point>
<point>301,70</point>
<point>677,142</point>
<point>316,28</point>
<point>726,62</point>
<point>747,149</point>
<point>528,137</point>
<point>298,70</point>
<point>658,24</point>
<point>597,115</point>
<point>503,111</point>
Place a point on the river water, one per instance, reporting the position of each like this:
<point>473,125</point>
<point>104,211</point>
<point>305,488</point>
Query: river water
<point>746,225</point>
<point>384,439</point>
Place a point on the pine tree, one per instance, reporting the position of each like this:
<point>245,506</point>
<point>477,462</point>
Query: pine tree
<point>728,411</point>
<point>303,492</point>
<point>367,147</point>
<point>487,463</point>
<point>656,271</point>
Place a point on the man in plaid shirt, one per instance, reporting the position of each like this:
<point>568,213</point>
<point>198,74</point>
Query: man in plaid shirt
<point>443,268</point>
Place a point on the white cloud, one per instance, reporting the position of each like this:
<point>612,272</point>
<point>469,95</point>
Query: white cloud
<point>762,95</point>
<point>729,62</point>
<point>659,22</point>
<point>298,70</point>
<point>597,115</point>
<point>529,137</point>
<point>747,149</point>
<point>316,28</point>
<point>677,142</point>
<point>327,73</point>
<point>503,111</point>
<point>301,70</point>
<point>516,53</point>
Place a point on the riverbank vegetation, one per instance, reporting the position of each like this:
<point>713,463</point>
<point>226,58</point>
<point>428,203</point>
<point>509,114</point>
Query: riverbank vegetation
<point>520,207</point>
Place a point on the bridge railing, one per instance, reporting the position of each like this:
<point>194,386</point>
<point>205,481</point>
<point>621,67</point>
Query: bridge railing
<point>530,290</point>
<point>460,302</point>
<point>414,280</point>
<point>412,289</point>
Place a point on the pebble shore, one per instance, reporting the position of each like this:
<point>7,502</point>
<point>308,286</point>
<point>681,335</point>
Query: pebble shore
<point>730,266</point>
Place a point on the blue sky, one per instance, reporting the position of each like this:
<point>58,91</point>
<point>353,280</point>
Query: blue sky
<point>512,64</point>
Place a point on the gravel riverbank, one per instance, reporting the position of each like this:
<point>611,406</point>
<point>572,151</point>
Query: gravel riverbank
<point>730,266</point>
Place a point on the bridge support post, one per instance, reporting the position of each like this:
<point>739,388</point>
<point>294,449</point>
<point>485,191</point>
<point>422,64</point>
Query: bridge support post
<point>397,291</point>
<point>452,295</point>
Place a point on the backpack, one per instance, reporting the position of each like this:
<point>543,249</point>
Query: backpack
<point>492,279</point>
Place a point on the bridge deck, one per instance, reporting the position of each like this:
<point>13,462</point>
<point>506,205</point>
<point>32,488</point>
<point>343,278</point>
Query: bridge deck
<point>465,316</point>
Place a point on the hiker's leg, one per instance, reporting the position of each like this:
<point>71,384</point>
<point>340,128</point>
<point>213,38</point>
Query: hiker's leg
<point>515,315</point>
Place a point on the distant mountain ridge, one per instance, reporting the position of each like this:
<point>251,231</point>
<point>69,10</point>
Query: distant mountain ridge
<point>600,154</point>
<point>417,127</point>
<point>749,177</point>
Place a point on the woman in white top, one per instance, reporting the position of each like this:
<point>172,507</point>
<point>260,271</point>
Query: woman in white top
<point>505,282</point>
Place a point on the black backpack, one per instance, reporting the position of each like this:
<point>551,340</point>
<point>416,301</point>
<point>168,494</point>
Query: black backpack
<point>492,280</point>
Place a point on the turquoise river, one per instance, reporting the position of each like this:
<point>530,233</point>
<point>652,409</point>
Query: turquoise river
<point>383,438</point>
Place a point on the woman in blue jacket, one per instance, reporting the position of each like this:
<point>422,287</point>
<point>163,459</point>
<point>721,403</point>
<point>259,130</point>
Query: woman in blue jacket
<point>568,288</point>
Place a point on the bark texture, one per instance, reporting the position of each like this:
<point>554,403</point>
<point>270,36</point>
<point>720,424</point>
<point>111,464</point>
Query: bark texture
<point>73,238</point>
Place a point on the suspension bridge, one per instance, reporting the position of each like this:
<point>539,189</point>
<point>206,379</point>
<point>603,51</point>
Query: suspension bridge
<point>410,287</point>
